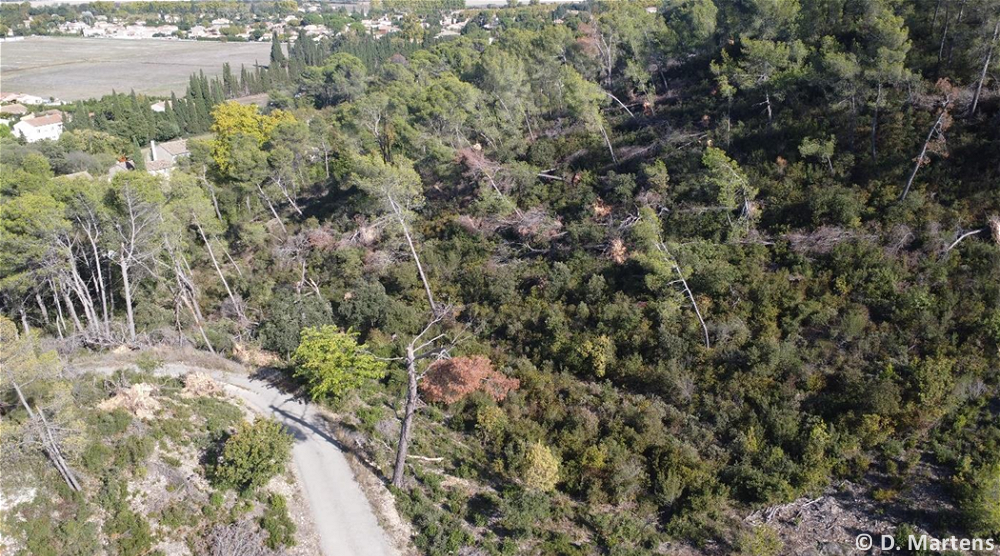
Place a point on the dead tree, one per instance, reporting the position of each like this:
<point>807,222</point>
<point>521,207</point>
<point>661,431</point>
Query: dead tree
<point>401,218</point>
<point>47,440</point>
<point>933,142</point>
<point>416,350</point>
<point>662,248</point>
<point>986,67</point>
<point>18,359</point>
<point>237,304</point>
<point>137,240</point>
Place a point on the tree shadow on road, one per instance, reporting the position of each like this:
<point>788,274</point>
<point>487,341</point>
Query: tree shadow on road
<point>320,424</point>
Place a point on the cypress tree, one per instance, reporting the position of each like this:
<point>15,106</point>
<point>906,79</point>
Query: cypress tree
<point>177,113</point>
<point>137,158</point>
<point>277,56</point>
<point>228,84</point>
<point>244,85</point>
<point>81,117</point>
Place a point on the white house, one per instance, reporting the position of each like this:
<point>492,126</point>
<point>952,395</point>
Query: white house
<point>163,156</point>
<point>41,128</point>
<point>169,151</point>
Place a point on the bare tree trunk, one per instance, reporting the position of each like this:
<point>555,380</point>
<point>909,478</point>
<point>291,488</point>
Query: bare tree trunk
<point>413,251</point>
<point>232,262</point>
<point>271,206</point>
<point>215,263</point>
<point>963,236</point>
<point>49,444</point>
<point>874,135</point>
<point>288,197</point>
<point>923,152</point>
<point>410,409</point>
<point>72,309</point>
<point>83,294</point>
<point>102,290</point>
<point>41,307</point>
<point>666,253</point>
<point>620,103</point>
<point>127,288</point>
<point>211,194</point>
<point>190,301</point>
<point>986,66</point>
<point>59,312</point>
<point>694,304</point>
<point>326,158</point>
<point>937,8</point>
<point>944,36</point>
<point>607,142</point>
<point>24,319</point>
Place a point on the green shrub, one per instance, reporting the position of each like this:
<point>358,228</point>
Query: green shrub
<point>96,457</point>
<point>279,526</point>
<point>540,469</point>
<point>178,515</point>
<point>254,454</point>
<point>132,452</point>
<point>148,362</point>
<point>979,500</point>
<point>524,511</point>
<point>74,535</point>
<point>129,533</point>
<point>369,417</point>
<point>110,423</point>
<point>760,541</point>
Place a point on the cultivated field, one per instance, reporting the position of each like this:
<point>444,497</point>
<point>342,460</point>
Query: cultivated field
<point>73,68</point>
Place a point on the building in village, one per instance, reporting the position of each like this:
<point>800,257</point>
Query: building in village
<point>14,109</point>
<point>44,126</point>
<point>163,157</point>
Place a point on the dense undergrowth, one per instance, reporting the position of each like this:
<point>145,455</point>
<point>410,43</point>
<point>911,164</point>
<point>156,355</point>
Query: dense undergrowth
<point>759,284</point>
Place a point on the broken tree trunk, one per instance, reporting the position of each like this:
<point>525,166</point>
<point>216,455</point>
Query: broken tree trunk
<point>215,263</point>
<point>986,66</point>
<point>49,445</point>
<point>410,409</point>
<point>680,275</point>
<point>398,211</point>
<point>923,151</point>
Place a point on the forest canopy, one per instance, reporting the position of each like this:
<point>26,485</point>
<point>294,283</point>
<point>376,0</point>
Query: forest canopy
<point>628,271</point>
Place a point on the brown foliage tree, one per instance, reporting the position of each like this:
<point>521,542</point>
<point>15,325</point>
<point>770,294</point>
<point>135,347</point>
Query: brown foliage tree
<point>450,380</point>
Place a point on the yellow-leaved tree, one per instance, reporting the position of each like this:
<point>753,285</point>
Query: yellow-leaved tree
<point>540,469</point>
<point>232,121</point>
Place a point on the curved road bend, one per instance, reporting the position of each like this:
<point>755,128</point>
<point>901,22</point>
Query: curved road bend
<point>344,519</point>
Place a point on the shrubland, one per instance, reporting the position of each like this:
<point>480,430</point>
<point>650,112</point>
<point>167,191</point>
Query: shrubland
<point>720,255</point>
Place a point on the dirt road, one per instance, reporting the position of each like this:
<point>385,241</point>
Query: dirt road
<point>344,519</point>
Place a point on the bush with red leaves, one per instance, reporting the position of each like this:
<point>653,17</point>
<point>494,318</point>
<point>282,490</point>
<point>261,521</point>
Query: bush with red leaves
<point>450,380</point>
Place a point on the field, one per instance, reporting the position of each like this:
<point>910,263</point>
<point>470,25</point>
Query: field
<point>72,68</point>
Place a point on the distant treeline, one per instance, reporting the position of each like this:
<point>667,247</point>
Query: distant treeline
<point>131,117</point>
<point>20,11</point>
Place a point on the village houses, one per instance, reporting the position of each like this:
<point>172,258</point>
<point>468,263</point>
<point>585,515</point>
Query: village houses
<point>43,126</point>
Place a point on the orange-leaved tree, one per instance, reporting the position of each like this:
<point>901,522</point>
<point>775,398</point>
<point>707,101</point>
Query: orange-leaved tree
<point>450,380</point>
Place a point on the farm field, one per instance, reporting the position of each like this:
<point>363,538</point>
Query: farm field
<point>71,68</point>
